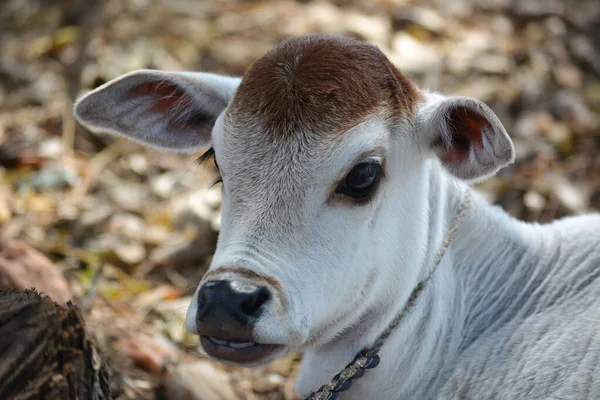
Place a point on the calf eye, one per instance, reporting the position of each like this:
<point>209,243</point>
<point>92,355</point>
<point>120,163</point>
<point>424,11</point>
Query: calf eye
<point>362,180</point>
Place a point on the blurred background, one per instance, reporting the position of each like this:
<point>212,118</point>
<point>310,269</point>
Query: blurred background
<point>129,232</point>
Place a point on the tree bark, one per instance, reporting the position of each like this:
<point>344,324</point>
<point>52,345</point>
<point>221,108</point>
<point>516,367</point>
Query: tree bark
<point>45,352</point>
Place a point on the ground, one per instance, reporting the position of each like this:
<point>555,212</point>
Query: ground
<point>132,230</point>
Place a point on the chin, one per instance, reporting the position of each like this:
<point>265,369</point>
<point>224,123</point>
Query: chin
<point>241,353</point>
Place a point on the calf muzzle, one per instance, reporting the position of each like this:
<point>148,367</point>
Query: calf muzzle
<point>227,312</point>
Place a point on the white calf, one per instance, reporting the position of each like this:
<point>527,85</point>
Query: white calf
<point>340,181</point>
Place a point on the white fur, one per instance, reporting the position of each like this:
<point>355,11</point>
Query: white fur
<point>508,304</point>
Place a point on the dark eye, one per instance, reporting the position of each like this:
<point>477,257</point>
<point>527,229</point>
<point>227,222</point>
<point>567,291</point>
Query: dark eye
<point>362,180</point>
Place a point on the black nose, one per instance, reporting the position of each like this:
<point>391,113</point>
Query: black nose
<point>230,302</point>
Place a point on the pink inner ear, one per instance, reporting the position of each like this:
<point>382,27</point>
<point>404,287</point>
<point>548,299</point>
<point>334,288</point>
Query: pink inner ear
<point>166,96</point>
<point>466,128</point>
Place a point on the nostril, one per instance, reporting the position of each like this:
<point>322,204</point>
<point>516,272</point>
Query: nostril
<point>201,300</point>
<point>206,296</point>
<point>254,301</point>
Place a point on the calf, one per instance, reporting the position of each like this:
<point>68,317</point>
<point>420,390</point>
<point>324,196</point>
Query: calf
<point>342,182</point>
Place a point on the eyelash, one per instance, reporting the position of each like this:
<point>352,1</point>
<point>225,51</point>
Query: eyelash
<point>210,154</point>
<point>219,180</point>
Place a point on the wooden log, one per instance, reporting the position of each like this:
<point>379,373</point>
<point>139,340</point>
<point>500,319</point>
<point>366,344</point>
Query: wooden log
<point>45,352</point>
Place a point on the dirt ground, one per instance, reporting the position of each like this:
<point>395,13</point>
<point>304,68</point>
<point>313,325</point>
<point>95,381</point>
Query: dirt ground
<point>132,231</point>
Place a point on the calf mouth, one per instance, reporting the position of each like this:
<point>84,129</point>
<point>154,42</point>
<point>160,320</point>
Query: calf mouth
<point>237,351</point>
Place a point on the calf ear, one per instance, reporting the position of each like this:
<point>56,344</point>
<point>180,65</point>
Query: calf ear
<point>172,111</point>
<point>466,135</point>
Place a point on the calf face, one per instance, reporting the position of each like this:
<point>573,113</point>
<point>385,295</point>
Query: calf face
<point>323,149</point>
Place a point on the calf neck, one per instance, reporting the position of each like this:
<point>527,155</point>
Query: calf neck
<point>339,181</point>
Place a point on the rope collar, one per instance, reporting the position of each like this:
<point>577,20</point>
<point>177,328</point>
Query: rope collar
<point>368,357</point>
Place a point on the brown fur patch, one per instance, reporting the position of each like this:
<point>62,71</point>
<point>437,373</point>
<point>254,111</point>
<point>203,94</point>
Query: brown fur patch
<point>248,273</point>
<point>320,84</point>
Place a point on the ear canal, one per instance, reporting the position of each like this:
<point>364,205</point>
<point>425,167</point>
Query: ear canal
<point>166,100</point>
<point>465,129</point>
<point>467,136</point>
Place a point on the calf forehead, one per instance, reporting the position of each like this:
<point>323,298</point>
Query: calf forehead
<point>269,184</point>
<point>318,85</point>
<point>290,112</point>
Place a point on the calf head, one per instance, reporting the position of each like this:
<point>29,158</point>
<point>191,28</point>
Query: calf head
<point>321,148</point>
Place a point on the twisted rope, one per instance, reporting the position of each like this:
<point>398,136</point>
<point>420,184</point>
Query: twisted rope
<point>368,357</point>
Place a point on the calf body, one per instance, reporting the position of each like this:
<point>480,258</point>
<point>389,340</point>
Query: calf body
<point>340,179</point>
<point>511,313</point>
